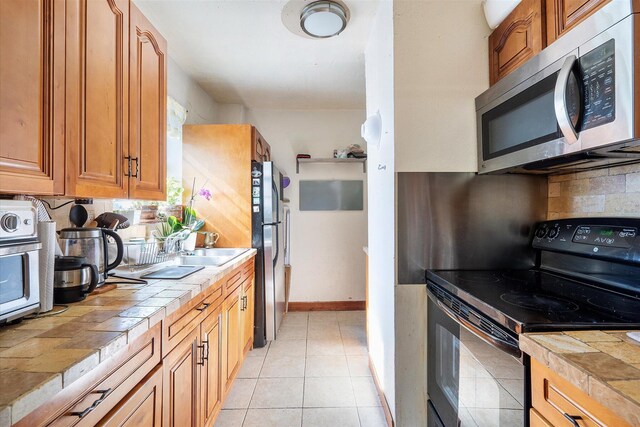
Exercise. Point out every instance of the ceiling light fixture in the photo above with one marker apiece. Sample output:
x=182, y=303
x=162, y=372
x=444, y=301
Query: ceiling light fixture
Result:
x=323, y=19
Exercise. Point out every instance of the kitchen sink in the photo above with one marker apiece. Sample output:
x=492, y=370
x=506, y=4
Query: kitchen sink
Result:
x=214, y=257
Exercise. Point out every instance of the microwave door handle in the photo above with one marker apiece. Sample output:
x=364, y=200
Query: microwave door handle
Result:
x=560, y=101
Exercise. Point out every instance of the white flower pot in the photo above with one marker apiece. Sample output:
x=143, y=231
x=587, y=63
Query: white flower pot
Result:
x=190, y=242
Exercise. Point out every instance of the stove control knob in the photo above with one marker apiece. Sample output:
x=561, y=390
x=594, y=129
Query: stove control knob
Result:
x=553, y=233
x=541, y=232
x=9, y=222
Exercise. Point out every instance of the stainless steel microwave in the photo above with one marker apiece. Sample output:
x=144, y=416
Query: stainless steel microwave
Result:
x=574, y=106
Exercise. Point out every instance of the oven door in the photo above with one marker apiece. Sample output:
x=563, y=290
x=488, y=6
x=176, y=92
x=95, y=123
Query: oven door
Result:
x=470, y=382
x=19, y=283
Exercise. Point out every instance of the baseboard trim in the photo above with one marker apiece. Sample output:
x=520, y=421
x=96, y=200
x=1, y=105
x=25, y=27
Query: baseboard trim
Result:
x=383, y=399
x=327, y=306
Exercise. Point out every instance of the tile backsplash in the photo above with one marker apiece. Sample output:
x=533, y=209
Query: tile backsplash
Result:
x=603, y=192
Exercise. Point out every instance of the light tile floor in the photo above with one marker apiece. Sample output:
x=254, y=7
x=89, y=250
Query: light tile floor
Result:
x=315, y=374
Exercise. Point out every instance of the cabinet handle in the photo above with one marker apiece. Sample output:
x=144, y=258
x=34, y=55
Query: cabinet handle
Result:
x=128, y=172
x=204, y=306
x=136, y=175
x=202, y=355
x=573, y=419
x=205, y=350
x=94, y=405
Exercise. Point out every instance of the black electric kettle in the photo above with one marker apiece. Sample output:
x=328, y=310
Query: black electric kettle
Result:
x=92, y=244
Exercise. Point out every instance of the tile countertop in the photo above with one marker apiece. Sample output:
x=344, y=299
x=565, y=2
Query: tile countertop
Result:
x=88, y=333
x=603, y=364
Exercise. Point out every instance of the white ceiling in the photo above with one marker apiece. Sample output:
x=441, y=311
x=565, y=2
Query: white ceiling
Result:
x=240, y=52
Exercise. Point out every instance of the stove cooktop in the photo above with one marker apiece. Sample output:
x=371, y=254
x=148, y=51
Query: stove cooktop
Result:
x=535, y=300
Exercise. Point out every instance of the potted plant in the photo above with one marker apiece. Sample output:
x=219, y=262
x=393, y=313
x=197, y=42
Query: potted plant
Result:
x=189, y=224
x=173, y=205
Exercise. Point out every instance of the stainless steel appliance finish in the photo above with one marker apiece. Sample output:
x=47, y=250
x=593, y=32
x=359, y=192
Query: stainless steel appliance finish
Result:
x=570, y=107
x=443, y=219
x=19, y=256
x=474, y=378
x=268, y=239
x=92, y=243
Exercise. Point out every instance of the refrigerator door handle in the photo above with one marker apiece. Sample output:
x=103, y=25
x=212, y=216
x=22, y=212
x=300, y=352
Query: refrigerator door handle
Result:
x=275, y=258
x=276, y=200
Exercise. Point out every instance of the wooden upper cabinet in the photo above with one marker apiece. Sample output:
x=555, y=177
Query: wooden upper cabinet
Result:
x=97, y=97
x=563, y=15
x=148, y=109
x=260, y=149
x=32, y=74
x=519, y=37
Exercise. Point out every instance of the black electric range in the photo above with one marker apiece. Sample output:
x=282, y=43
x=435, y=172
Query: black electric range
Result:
x=586, y=275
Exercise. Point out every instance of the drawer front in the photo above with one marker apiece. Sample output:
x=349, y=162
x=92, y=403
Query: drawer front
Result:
x=180, y=323
x=134, y=363
x=140, y=408
x=537, y=420
x=233, y=280
x=248, y=269
x=557, y=401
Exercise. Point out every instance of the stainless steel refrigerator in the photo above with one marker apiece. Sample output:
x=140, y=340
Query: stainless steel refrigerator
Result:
x=268, y=239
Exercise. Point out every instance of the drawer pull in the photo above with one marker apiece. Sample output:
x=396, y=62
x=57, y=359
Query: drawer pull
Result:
x=94, y=405
x=572, y=419
x=204, y=306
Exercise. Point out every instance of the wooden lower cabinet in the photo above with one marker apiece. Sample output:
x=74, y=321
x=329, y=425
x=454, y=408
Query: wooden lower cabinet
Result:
x=248, y=297
x=210, y=380
x=232, y=337
x=140, y=408
x=180, y=377
x=555, y=400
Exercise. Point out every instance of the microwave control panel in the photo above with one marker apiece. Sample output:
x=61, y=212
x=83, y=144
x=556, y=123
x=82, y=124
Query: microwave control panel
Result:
x=599, y=85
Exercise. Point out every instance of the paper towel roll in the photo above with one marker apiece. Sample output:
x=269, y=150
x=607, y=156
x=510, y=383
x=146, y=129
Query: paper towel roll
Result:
x=47, y=236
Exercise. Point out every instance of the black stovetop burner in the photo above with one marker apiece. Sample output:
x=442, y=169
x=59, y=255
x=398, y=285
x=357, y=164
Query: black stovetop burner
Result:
x=587, y=277
x=532, y=300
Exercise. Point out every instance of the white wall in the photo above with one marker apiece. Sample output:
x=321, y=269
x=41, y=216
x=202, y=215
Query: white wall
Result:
x=379, y=57
x=201, y=108
x=326, y=247
x=441, y=65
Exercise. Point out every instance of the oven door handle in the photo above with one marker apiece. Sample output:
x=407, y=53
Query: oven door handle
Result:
x=496, y=342
x=560, y=101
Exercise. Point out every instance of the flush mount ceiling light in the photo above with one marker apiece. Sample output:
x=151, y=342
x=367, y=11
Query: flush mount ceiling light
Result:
x=323, y=19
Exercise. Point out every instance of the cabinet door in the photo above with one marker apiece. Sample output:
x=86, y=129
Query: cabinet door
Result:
x=32, y=96
x=97, y=91
x=141, y=407
x=247, y=315
x=148, y=110
x=210, y=379
x=232, y=333
x=517, y=39
x=180, y=383
x=260, y=149
x=563, y=15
